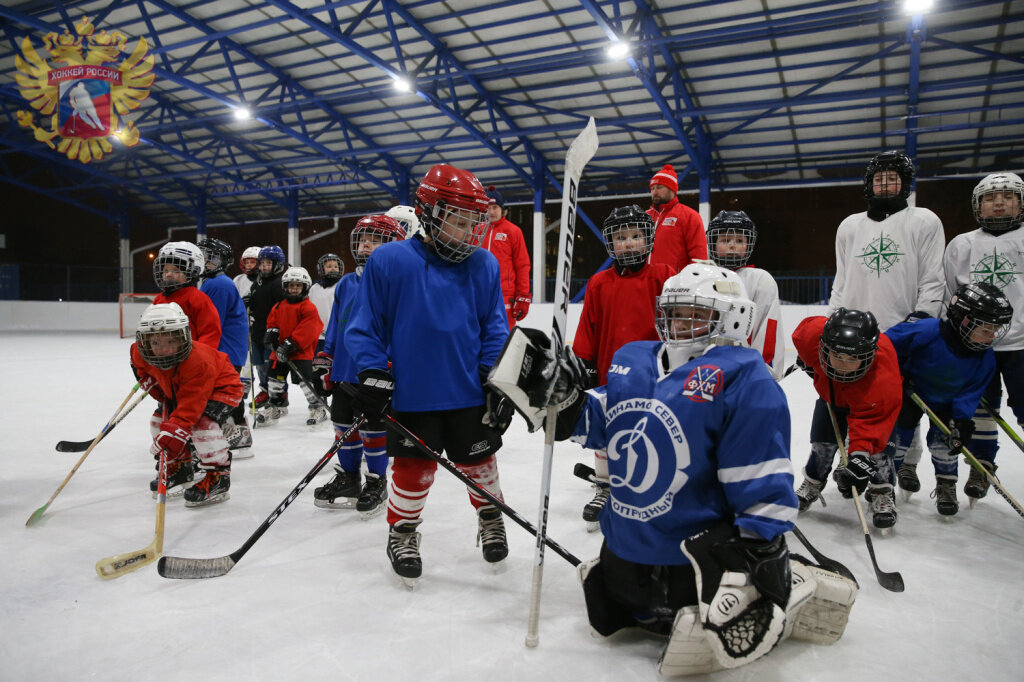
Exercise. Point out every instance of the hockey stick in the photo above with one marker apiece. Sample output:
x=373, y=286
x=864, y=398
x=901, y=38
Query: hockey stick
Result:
x=396, y=426
x=789, y=370
x=38, y=513
x=179, y=567
x=302, y=379
x=891, y=581
x=79, y=446
x=120, y=564
x=1003, y=425
x=971, y=459
x=580, y=152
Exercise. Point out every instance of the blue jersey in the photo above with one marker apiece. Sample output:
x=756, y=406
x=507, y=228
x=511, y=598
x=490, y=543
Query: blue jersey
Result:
x=343, y=368
x=943, y=373
x=705, y=443
x=234, y=321
x=442, y=322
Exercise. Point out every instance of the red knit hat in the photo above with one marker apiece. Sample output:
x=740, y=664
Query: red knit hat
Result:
x=666, y=176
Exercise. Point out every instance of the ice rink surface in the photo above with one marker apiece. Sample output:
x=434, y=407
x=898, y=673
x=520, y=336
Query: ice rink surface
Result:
x=315, y=597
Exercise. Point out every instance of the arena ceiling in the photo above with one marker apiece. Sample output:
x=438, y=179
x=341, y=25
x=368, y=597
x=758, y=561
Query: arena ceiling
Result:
x=739, y=94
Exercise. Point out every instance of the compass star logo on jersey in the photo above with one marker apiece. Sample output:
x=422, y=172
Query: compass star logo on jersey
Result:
x=996, y=269
x=703, y=383
x=880, y=254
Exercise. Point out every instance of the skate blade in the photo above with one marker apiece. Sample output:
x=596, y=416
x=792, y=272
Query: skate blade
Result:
x=242, y=453
x=593, y=526
x=339, y=503
x=499, y=567
x=971, y=501
x=373, y=513
x=905, y=494
x=177, y=492
x=409, y=583
x=947, y=519
x=886, y=532
x=216, y=499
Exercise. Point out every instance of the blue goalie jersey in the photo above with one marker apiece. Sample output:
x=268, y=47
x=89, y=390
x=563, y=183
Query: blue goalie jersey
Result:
x=706, y=442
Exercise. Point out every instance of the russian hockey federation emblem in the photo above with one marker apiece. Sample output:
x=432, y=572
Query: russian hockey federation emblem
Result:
x=87, y=94
x=703, y=383
x=880, y=254
x=996, y=269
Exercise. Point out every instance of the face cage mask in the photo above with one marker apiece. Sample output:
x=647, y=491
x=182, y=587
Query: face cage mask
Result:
x=218, y=265
x=1002, y=223
x=731, y=261
x=143, y=340
x=702, y=331
x=629, y=258
x=866, y=358
x=295, y=298
x=358, y=235
x=185, y=267
x=967, y=327
x=457, y=233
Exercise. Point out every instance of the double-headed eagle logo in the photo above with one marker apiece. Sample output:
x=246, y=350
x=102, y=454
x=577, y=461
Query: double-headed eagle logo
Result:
x=93, y=85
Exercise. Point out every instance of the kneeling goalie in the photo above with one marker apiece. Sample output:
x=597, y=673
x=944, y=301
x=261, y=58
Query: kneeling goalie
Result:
x=697, y=434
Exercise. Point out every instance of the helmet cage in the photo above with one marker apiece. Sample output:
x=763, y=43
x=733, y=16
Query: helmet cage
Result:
x=633, y=229
x=456, y=232
x=999, y=182
x=159, y=324
x=217, y=252
x=374, y=229
x=731, y=225
x=889, y=160
x=252, y=252
x=852, y=334
x=186, y=258
x=711, y=299
x=276, y=256
x=322, y=262
x=296, y=274
x=979, y=304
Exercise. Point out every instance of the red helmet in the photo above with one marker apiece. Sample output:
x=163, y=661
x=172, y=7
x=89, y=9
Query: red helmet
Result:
x=451, y=204
x=380, y=228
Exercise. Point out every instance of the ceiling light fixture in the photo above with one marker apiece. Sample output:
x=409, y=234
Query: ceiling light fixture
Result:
x=914, y=7
x=618, y=49
x=243, y=113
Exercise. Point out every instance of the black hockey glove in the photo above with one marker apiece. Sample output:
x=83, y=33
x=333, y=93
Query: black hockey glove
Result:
x=218, y=411
x=960, y=432
x=287, y=350
x=916, y=315
x=857, y=472
x=271, y=337
x=322, y=365
x=373, y=394
x=498, y=415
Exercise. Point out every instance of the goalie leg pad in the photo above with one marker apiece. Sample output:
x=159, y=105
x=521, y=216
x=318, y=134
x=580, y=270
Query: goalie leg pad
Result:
x=820, y=603
x=687, y=651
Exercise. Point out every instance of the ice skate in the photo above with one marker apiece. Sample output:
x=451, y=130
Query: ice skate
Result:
x=180, y=476
x=266, y=415
x=883, y=508
x=213, y=488
x=592, y=510
x=261, y=399
x=945, y=498
x=491, y=535
x=317, y=415
x=404, y=551
x=977, y=483
x=371, y=501
x=908, y=481
x=808, y=492
x=342, y=492
x=240, y=441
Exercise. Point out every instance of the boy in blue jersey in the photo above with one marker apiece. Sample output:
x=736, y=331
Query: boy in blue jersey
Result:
x=335, y=367
x=234, y=337
x=433, y=308
x=949, y=364
x=697, y=434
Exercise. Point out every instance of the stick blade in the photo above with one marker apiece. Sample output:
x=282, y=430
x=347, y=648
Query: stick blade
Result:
x=191, y=569
x=891, y=581
x=582, y=149
x=73, y=445
x=122, y=564
x=37, y=514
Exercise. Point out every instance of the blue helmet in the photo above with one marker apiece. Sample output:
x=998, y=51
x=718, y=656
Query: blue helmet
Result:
x=275, y=255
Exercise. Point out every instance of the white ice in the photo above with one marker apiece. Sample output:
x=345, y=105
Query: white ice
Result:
x=315, y=597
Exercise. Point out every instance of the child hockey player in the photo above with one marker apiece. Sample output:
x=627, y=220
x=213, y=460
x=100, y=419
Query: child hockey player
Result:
x=433, y=307
x=329, y=269
x=199, y=387
x=293, y=326
x=176, y=271
x=949, y=364
x=250, y=265
x=987, y=255
x=731, y=239
x=406, y=217
x=335, y=367
x=618, y=307
x=234, y=324
x=265, y=294
x=702, y=506
x=854, y=369
x=505, y=240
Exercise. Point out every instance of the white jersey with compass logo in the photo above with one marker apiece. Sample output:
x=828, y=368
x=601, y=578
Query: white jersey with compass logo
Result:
x=892, y=267
x=978, y=256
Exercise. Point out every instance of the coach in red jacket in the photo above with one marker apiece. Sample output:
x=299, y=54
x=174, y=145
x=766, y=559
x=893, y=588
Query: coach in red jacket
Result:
x=679, y=231
x=505, y=240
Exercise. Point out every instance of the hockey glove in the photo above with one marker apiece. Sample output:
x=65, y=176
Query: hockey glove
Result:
x=373, y=394
x=916, y=315
x=498, y=415
x=218, y=411
x=271, y=337
x=960, y=432
x=520, y=307
x=172, y=439
x=150, y=386
x=287, y=350
x=857, y=472
x=322, y=365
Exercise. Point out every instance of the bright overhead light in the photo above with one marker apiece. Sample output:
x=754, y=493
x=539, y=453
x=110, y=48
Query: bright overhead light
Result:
x=618, y=49
x=917, y=6
x=243, y=113
x=402, y=84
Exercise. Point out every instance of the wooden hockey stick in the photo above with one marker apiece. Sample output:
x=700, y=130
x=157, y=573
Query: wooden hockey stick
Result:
x=38, y=513
x=891, y=581
x=120, y=564
x=971, y=459
x=1003, y=425
x=580, y=152
x=320, y=401
x=78, y=446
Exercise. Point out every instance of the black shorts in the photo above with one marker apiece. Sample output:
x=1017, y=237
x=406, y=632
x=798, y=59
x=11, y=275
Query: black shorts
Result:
x=341, y=403
x=459, y=434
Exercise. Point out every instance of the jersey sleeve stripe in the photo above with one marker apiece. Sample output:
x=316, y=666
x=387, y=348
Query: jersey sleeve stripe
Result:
x=776, y=512
x=755, y=471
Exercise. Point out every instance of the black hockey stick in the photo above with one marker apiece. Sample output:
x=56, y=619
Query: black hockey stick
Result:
x=178, y=567
x=320, y=401
x=891, y=581
x=83, y=445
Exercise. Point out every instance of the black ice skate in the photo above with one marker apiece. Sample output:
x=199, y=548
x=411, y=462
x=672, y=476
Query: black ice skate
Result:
x=180, y=476
x=977, y=483
x=883, y=507
x=404, y=551
x=945, y=498
x=491, y=534
x=342, y=492
x=808, y=492
x=317, y=415
x=592, y=509
x=371, y=501
x=213, y=488
x=908, y=481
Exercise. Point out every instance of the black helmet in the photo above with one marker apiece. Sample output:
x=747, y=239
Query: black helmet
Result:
x=217, y=252
x=628, y=218
x=889, y=160
x=975, y=304
x=329, y=277
x=736, y=223
x=848, y=332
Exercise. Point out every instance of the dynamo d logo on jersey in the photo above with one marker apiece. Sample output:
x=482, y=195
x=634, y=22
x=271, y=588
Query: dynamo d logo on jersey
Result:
x=645, y=484
x=703, y=383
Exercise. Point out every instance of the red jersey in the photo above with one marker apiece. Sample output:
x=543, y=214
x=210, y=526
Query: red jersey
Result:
x=299, y=322
x=874, y=400
x=203, y=318
x=505, y=240
x=679, y=235
x=618, y=309
x=206, y=374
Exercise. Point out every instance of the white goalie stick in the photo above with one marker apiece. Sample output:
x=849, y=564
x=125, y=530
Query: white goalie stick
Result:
x=580, y=152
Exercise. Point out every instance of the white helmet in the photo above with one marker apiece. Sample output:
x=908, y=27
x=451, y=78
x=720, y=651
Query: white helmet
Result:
x=186, y=258
x=296, y=274
x=999, y=182
x=712, y=303
x=406, y=217
x=169, y=320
